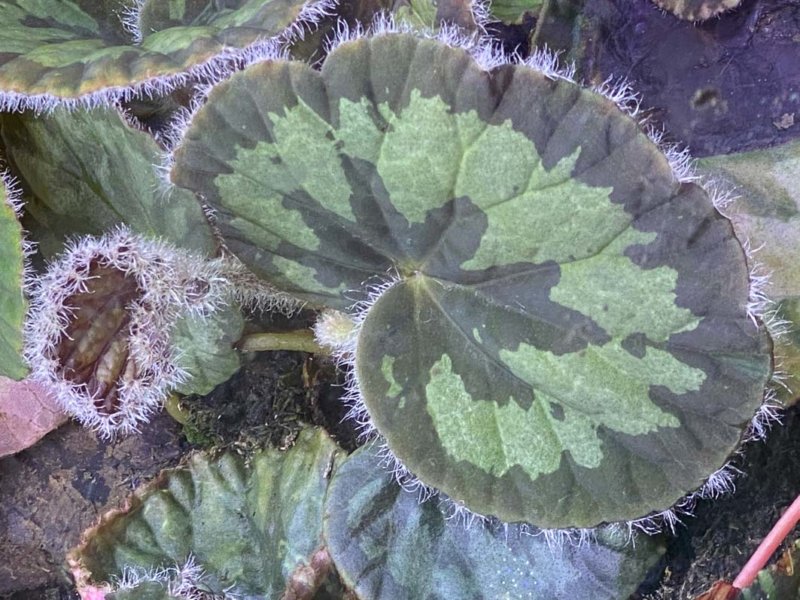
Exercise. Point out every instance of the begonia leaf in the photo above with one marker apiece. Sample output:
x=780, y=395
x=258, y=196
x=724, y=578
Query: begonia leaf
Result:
x=205, y=349
x=766, y=212
x=566, y=319
x=247, y=525
x=12, y=300
x=90, y=171
x=79, y=52
x=389, y=546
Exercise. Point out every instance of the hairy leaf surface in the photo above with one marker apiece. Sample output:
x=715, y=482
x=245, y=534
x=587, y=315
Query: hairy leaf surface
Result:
x=62, y=50
x=568, y=321
x=12, y=300
x=388, y=546
x=247, y=526
x=90, y=171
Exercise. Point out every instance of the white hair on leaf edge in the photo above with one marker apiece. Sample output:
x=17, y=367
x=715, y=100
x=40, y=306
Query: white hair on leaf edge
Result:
x=170, y=283
x=185, y=581
x=213, y=70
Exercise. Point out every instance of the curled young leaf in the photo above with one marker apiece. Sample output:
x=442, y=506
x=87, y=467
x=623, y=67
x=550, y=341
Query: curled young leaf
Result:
x=563, y=318
x=99, y=329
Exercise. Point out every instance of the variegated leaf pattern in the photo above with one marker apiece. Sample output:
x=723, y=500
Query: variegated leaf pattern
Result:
x=79, y=51
x=567, y=340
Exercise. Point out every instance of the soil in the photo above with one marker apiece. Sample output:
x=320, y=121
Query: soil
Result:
x=727, y=85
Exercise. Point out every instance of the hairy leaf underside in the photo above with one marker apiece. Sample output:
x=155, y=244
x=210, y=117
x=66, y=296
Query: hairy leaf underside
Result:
x=567, y=340
x=63, y=49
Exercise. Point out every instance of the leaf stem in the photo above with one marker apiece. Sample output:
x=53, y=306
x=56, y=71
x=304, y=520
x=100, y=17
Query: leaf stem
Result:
x=301, y=340
x=539, y=23
x=768, y=546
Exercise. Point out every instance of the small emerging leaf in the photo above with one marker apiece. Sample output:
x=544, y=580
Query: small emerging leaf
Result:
x=389, y=546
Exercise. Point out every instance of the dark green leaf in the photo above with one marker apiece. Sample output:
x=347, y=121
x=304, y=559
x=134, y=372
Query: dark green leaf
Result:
x=90, y=171
x=248, y=526
x=54, y=51
x=388, y=546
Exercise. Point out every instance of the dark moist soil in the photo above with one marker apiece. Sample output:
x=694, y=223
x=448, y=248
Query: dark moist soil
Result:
x=730, y=84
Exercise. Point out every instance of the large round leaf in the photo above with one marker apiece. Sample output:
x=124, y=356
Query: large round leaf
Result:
x=389, y=546
x=248, y=525
x=567, y=342
x=12, y=300
x=73, y=50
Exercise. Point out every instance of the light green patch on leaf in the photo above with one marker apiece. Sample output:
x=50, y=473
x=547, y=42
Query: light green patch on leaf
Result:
x=495, y=438
x=205, y=349
x=314, y=167
x=386, y=368
x=512, y=11
x=619, y=287
x=387, y=545
x=12, y=300
x=90, y=171
x=66, y=51
x=248, y=525
x=434, y=158
x=555, y=214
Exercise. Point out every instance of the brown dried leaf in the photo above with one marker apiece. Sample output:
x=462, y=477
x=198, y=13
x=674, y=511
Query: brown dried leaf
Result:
x=27, y=412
